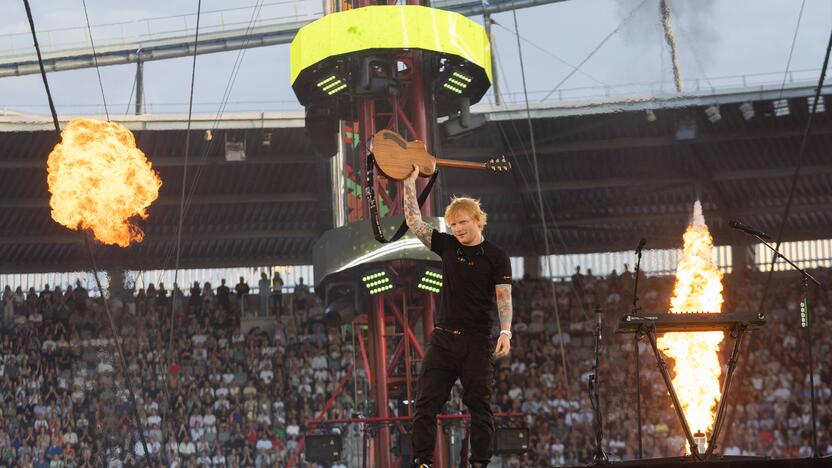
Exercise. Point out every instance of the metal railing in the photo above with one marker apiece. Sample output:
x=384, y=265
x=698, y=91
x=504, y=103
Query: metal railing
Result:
x=162, y=27
x=698, y=86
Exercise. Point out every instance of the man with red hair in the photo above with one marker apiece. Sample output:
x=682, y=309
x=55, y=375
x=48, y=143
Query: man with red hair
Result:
x=476, y=272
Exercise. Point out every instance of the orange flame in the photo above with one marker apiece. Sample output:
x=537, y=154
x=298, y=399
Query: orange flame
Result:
x=99, y=180
x=698, y=288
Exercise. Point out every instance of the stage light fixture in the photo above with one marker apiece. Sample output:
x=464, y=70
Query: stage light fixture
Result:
x=686, y=129
x=463, y=122
x=331, y=84
x=235, y=147
x=747, y=109
x=712, y=112
x=378, y=281
x=511, y=440
x=431, y=280
x=781, y=107
x=377, y=77
x=455, y=81
x=811, y=101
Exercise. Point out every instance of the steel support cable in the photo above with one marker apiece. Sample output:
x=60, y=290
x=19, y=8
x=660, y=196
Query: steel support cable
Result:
x=184, y=181
x=596, y=49
x=114, y=334
x=553, y=55
x=787, y=211
x=519, y=170
x=540, y=202
x=207, y=149
x=791, y=49
x=95, y=60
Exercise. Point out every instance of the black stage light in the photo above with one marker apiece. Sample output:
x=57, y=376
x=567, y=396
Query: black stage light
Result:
x=511, y=440
x=325, y=449
x=431, y=280
x=464, y=121
x=378, y=281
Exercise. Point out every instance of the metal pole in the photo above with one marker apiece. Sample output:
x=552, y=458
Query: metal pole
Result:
x=139, y=85
x=637, y=336
x=380, y=365
x=805, y=306
x=720, y=411
x=486, y=20
x=677, y=405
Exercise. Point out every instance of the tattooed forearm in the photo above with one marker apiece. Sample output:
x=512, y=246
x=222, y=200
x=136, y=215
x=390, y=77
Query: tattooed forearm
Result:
x=504, y=305
x=413, y=216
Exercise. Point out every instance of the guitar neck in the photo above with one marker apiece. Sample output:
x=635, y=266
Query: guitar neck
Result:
x=460, y=164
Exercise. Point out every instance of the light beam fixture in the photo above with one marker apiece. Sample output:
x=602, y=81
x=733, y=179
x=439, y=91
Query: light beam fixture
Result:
x=747, y=109
x=781, y=107
x=378, y=281
x=713, y=114
x=431, y=280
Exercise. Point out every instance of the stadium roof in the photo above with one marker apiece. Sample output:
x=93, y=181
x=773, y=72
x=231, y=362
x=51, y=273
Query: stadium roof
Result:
x=608, y=176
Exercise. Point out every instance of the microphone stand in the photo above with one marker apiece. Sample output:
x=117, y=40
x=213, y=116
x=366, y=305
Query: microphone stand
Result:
x=637, y=336
x=600, y=456
x=806, y=323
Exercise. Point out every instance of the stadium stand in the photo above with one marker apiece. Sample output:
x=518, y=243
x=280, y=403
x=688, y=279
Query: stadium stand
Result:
x=210, y=395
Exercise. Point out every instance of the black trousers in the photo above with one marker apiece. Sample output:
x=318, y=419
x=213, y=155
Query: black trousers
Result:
x=448, y=357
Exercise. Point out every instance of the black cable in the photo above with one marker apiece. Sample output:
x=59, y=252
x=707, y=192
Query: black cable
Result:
x=551, y=54
x=42, y=70
x=598, y=47
x=215, y=124
x=791, y=49
x=540, y=196
x=95, y=60
x=86, y=241
x=118, y=348
x=184, y=177
x=787, y=211
x=800, y=154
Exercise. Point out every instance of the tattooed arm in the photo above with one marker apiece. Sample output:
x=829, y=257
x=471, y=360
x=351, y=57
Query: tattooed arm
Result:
x=503, y=292
x=412, y=215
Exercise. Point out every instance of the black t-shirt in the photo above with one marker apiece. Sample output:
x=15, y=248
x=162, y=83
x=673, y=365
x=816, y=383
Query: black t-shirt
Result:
x=470, y=275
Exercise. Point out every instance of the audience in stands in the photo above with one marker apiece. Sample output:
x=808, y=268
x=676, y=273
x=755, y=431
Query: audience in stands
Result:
x=210, y=395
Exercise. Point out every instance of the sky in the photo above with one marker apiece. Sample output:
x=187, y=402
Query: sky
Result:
x=716, y=39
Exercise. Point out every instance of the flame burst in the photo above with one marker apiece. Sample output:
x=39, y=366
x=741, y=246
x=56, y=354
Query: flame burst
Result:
x=99, y=180
x=698, y=288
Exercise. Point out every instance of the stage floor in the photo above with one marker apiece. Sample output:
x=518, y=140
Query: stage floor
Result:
x=728, y=462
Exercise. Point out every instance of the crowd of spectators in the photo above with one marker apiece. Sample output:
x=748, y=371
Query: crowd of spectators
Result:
x=208, y=394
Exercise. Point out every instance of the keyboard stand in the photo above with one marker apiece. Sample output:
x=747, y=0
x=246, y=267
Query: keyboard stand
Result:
x=736, y=332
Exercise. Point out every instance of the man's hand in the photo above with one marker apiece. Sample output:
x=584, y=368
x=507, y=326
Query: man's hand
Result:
x=503, y=346
x=413, y=175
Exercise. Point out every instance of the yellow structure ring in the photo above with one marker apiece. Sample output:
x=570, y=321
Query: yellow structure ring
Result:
x=390, y=27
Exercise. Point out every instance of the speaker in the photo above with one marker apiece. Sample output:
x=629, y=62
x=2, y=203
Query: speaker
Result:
x=511, y=440
x=324, y=449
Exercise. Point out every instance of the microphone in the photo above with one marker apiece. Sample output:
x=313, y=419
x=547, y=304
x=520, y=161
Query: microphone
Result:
x=739, y=226
x=641, y=245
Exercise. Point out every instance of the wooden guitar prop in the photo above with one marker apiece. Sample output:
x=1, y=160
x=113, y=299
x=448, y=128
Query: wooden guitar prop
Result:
x=396, y=156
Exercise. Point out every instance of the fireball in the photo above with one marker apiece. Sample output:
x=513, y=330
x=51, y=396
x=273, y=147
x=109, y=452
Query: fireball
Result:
x=698, y=289
x=100, y=180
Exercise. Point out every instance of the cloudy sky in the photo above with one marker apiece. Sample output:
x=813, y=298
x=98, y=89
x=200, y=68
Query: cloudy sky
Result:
x=718, y=40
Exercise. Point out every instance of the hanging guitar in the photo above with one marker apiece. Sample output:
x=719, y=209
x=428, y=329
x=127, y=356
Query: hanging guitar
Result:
x=395, y=158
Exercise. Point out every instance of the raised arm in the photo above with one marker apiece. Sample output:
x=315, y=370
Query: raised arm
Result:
x=503, y=292
x=412, y=215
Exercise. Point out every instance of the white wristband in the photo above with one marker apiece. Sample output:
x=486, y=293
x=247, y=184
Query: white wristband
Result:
x=506, y=332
